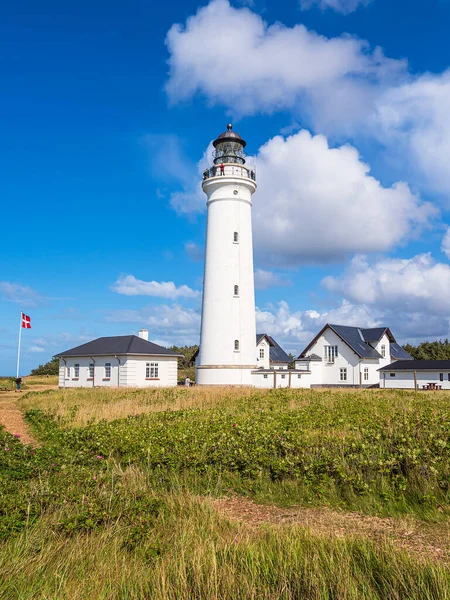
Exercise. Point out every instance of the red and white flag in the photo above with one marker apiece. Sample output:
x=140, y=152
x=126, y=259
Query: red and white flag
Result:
x=26, y=322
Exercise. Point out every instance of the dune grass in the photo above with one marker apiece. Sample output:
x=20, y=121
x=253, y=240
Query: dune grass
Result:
x=118, y=499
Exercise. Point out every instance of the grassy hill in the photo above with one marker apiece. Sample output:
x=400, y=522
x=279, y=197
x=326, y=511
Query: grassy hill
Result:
x=228, y=493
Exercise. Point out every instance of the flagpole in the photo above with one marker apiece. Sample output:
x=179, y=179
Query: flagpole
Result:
x=18, y=349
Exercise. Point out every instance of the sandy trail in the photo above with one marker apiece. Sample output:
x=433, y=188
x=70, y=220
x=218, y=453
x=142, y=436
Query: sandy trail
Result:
x=422, y=539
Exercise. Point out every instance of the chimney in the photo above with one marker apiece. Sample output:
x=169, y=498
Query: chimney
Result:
x=143, y=334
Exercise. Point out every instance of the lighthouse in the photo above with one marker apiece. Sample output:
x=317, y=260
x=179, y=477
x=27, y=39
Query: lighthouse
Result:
x=227, y=352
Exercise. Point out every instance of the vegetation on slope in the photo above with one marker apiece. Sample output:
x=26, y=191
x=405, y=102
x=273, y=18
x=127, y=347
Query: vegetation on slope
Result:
x=119, y=508
x=438, y=350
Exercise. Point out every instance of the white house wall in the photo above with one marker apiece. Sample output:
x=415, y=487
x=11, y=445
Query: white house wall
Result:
x=405, y=379
x=273, y=379
x=130, y=373
x=263, y=362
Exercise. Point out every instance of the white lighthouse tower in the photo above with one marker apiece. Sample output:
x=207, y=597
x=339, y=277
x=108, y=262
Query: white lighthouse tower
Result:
x=227, y=352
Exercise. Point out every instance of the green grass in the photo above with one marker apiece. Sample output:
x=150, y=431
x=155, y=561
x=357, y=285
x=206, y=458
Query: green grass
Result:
x=122, y=508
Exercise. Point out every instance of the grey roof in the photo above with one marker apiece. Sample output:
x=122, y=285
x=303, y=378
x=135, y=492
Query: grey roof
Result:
x=359, y=339
x=119, y=344
x=230, y=135
x=276, y=352
x=399, y=353
x=355, y=338
x=418, y=365
x=311, y=357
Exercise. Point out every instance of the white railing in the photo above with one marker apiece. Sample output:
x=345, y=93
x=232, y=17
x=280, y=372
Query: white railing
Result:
x=229, y=170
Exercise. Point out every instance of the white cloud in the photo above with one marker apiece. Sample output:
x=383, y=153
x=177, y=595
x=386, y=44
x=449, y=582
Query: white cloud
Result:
x=414, y=285
x=22, y=294
x=413, y=121
x=130, y=286
x=280, y=65
x=266, y=279
x=341, y=6
x=36, y=349
x=315, y=203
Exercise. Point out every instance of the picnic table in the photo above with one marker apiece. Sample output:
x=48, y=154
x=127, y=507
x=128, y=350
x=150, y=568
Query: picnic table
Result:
x=432, y=386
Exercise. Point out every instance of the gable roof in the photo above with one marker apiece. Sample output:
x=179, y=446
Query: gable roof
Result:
x=399, y=353
x=418, y=365
x=119, y=344
x=353, y=337
x=276, y=352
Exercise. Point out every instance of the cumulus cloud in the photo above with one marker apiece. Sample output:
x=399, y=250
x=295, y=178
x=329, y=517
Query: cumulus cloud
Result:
x=22, y=294
x=36, y=349
x=267, y=279
x=317, y=204
x=407, y=285
x=267, y=80
x=413, y=121
x=342, y=6
x=130, y=286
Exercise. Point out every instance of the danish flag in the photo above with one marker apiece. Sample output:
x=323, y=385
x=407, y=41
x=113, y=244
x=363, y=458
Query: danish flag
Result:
x=26, y=322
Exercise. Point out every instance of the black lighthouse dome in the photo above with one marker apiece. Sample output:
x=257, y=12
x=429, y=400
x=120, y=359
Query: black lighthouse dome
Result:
x=229, y=147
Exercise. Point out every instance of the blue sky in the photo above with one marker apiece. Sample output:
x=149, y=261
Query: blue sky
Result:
x=108, y=112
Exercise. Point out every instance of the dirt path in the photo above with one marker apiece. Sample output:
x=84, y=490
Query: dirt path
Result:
x=426, y=540
x=11, y=416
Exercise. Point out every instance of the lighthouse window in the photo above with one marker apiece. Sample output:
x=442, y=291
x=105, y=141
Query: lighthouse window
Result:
x=236, y=237
x=236, y=290
x=236, y=345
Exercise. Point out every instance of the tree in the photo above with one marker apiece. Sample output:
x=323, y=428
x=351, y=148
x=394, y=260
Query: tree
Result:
x=50, y=368
x=437, y=350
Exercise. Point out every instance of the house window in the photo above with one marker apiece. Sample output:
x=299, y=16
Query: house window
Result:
x=68, y=372
x=343, y=374
x=383, y=351
x=283, y=377
x=265, y=376
x=391, y=374
x=366, y=374
x=448, y=374
x=91, y=371
x=107, y=370
x=299, y=376
x=236, y=345
x=151, y=370
x=331, y=353
x=236, y=237
x=236, y=290
x=441, y=376
x=261, y=353
x=76, y=371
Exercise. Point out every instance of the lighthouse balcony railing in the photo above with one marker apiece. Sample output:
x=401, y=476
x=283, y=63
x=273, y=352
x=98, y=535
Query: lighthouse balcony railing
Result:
x=229, y=170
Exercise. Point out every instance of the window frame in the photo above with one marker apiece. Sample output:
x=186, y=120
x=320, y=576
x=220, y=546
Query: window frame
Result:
x=366, y=373
x=383, y=350
x=236, y=346
x=236, y=237
x=343, y=374
x=236, y=291
x=330, y=353
x=91, y=370
x=152, y=370
x=107, y=370
x=76, y=371
x=261, y=353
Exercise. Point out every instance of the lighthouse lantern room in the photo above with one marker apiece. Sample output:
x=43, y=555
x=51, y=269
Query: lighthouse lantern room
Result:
x=227, y=352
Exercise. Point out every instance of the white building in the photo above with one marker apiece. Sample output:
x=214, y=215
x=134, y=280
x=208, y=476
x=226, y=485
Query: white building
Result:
x=269, y=354
x=416, y=374
x=340, y=355
x=120, y=361
x=228, y=328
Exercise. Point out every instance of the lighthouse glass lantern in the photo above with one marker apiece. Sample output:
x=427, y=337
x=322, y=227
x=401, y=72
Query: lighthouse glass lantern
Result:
x=229, y=148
